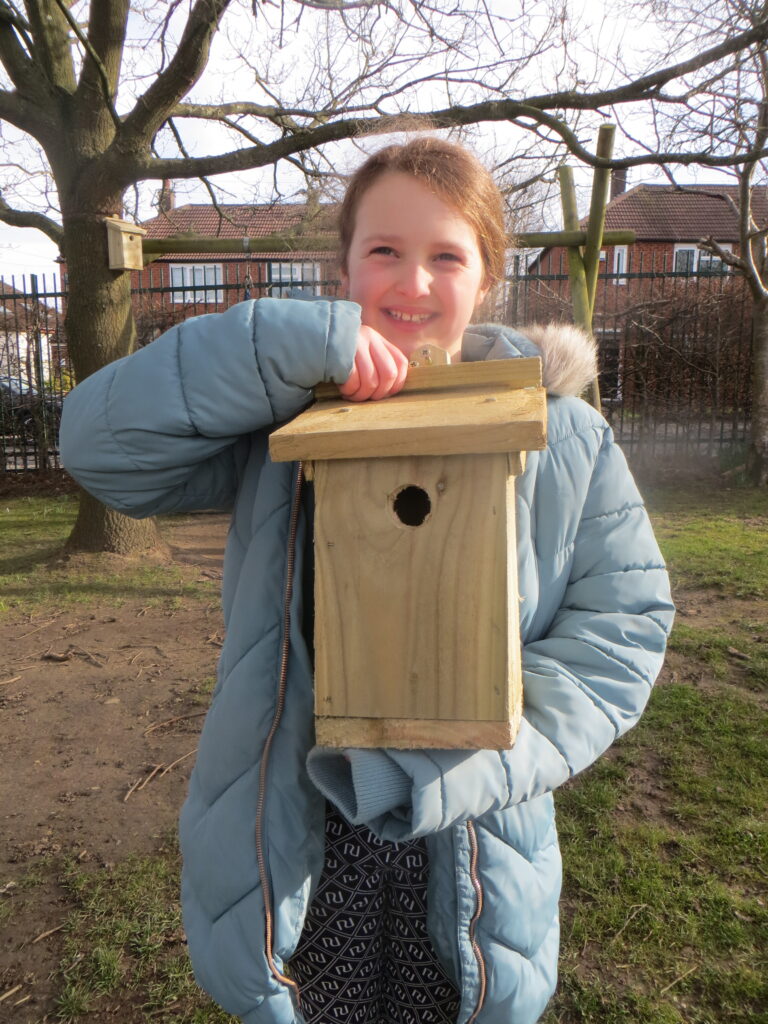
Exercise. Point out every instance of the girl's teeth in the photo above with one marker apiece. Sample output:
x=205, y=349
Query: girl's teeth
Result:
x=410, y=317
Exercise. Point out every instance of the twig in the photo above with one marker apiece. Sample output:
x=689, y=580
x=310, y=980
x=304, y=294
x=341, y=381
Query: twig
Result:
x=88, y=656
x=680, y=978
x=13, y=679
x=177, y=761
x=36, y=629
x=170, y=721
x=9, y=993
x=52, y=656
x=132, y=789
x=152, y=774
x=155, y=647
x=24, y=999
x=635, y=911
x=44, y=935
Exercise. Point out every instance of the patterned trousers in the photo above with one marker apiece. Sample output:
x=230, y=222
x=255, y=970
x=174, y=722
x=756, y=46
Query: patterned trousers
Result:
x=364, y=956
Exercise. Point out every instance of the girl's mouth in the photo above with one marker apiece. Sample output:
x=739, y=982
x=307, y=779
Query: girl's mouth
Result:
x=417, y=319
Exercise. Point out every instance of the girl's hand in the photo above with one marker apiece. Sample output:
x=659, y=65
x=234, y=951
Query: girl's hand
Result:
x=379, y=371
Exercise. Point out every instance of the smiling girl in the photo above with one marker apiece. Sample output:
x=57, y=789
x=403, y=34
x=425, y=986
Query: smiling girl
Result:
x=379, y=886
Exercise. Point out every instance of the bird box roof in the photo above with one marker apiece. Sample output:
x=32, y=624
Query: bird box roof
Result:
x=458, y=409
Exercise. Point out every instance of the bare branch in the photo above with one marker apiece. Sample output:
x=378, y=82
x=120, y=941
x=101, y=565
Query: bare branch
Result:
x=107, y=28
x=172, y=84
x=29, y=219
x=16, y=61
x=338, y=5
x=51, y=50
x=94, y=58
x=208, y=186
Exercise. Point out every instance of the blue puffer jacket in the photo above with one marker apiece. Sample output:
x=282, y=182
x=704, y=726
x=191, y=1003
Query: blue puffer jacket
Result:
x=183, y=424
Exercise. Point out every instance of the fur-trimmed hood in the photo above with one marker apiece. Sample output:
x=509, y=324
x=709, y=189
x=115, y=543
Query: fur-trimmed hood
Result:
x=568, y=354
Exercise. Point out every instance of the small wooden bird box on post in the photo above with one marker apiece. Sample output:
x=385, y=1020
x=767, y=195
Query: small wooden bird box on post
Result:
x=416, y=603
x=124, y=244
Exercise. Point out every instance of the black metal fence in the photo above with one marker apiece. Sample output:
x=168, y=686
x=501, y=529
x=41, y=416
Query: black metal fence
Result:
x=34, y=372
x=675, y=352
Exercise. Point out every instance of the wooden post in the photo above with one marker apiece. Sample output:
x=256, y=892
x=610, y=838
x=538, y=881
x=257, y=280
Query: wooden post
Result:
x=601, y=183
x=582, y=315
x=583, y=267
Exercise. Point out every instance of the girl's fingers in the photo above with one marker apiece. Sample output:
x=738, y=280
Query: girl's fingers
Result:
x=386, y=371
x=352, y=383
x=379, y=370
x=401, y=362
x=369, y=377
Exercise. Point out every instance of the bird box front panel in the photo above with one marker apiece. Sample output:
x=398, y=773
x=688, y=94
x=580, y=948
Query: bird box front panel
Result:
x=416, y=591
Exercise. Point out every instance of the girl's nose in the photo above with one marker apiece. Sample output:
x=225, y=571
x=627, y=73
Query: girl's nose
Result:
x=414, y=279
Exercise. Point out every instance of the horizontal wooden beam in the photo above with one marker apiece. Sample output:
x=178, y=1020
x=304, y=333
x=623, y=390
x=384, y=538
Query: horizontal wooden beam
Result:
x=187, y=243
x=550, y=239
x=264, y=243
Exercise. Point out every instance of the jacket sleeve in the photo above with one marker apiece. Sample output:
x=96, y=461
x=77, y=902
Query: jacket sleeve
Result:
x=157, y=430
x=585, y=682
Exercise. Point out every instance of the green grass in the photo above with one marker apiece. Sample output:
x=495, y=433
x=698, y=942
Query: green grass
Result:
x=32, y=534
x=124, y=939
x=729, y=652
x=714, y=539
x=665, y=840
x=669, y=892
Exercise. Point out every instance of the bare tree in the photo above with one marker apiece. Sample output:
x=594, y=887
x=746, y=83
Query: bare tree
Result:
x=725, y=113
x=106, y=94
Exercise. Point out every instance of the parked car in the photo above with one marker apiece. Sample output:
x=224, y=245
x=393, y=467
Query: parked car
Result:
x=22, y=407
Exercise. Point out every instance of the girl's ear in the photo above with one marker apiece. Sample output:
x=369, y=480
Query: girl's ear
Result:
x=482, y=292
x=344, y=283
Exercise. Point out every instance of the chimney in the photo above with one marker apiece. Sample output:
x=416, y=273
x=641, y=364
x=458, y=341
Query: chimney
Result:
x=166, y=200
x=618, y=182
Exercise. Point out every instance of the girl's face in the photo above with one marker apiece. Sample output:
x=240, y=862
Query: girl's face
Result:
x=414, y=265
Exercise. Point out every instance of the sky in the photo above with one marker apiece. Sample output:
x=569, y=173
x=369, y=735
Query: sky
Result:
x=27, y=251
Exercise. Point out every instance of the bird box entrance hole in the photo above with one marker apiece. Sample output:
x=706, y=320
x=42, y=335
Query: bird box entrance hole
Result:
x=411, y=505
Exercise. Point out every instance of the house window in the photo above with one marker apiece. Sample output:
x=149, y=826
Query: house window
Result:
x=197, y=282
x=284, y=276
x=620, y=264
x=689, y=259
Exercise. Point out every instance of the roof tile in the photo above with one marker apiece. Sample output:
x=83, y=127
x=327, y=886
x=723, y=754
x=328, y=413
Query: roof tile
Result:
x=666, y=213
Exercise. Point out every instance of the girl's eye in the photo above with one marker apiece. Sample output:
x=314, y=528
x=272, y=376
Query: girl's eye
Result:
x=450, y=256
x=383, y=250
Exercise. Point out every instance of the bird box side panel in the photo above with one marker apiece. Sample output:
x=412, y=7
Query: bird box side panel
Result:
x=413, y=600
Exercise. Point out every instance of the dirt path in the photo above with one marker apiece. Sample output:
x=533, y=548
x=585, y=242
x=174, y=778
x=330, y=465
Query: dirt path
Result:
x=89, y=770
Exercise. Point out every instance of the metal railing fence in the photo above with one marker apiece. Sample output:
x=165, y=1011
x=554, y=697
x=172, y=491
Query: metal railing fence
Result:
x=675, y=351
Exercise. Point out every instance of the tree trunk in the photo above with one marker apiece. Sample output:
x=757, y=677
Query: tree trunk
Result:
x=757, y=455
x=100, y=328
x=99, y=528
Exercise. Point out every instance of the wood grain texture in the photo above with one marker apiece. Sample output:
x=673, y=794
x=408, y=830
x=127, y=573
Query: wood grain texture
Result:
x=509, y=373
x=421, y=423
x=411, y=734
x=416, y=622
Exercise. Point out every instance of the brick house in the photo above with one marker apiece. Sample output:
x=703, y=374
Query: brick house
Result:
x=663, y=306
x=668, y=224
x=218, y=280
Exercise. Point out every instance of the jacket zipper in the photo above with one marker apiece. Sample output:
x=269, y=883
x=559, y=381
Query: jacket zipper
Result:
x=477, y=886
x=266, y=885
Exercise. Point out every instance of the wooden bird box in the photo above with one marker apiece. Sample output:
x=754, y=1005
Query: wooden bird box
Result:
x=416, y=603
x=124, y=244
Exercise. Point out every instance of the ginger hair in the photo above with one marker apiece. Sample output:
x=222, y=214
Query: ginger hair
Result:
x=452, y=173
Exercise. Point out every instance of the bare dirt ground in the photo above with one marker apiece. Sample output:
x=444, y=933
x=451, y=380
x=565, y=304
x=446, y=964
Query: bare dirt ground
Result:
x=100, y=712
